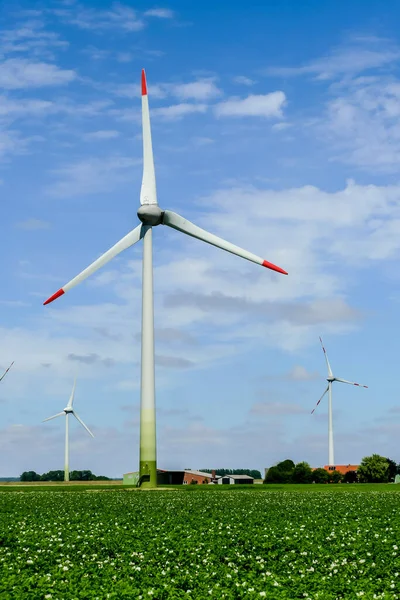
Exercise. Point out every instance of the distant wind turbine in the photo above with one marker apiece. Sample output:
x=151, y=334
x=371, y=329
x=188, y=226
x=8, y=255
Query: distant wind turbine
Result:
x=151, y=215
x=330, y=379
x=6, y=371
x=68, y=410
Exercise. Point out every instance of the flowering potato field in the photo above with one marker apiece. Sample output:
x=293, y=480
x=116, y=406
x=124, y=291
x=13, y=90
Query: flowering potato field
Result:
x=173, y=544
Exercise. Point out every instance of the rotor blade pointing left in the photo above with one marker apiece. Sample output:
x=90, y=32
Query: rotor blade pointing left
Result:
x=127, y=241
x=6, y=371
x=351, y=383
x=148, y=192
x=82, y=423
x=177, y=222
x=327, y=390
x=54, y=416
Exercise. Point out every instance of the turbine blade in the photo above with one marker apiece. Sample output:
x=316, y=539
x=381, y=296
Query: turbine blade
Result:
x=148, y=192
x=127, y=241
x=6, y=371
x=71, y=398
x=326, y=358
x=82, y=423
x=177, y=222
x=327, y=389
x=351, y=382
x=60, y=414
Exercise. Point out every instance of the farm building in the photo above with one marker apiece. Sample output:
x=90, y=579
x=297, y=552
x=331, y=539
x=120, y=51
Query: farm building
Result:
x=235, y=479
x=166, y=477
x=343, y=469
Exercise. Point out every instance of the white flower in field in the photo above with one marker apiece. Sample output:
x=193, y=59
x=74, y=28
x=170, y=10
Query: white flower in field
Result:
x=29, y=562
x=47, y=596
x=395, y=548
x=263, y=594
x=65, y=568
x=362, y=560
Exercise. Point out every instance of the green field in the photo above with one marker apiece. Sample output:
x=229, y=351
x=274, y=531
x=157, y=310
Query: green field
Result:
x=269, y=542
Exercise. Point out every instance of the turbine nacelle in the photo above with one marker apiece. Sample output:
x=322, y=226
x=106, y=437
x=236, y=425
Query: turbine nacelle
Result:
x=150, y=214
x=68, y=410
x=331, y=379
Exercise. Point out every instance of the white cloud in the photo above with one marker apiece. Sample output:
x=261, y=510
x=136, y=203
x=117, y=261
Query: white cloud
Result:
x=19, y=73
x=102, y=134
x=177, y=111
x=161, y=13
x=241, y=80
x=362, y=122
x=203, y=89
x=276, y=408
x=346, y=60
x=299, y=373
x=33, y=224
x=91, y=176
x=268, y=105
x=119, y=16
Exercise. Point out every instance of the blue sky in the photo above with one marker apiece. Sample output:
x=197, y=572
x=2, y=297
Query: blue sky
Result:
x=276, y=126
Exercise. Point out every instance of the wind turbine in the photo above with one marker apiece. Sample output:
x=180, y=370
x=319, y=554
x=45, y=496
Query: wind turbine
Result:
x=68, y=410
x=6, y=371
x=151, y=215
x=330, y=379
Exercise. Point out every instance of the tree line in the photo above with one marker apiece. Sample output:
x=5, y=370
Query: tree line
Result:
x=59, y=476
x=250, y=472
x=373, y=469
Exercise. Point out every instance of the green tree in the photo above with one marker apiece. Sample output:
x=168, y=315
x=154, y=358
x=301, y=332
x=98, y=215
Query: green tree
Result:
x=335, y=476
x=280, y=473
x=320, y=476
x=393, y=469
x=374, y=469
x=30, y=476
x=350, y=477
x=302, y=473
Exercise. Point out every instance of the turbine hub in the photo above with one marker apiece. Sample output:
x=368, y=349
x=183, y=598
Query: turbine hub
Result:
x=68, y=410
x=330, y=379
x=150, y=214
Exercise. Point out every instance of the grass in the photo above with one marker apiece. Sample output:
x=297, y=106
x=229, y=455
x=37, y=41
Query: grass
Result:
x=72, y=486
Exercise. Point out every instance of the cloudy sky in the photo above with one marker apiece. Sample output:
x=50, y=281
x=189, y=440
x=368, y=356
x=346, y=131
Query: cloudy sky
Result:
x=276, y=126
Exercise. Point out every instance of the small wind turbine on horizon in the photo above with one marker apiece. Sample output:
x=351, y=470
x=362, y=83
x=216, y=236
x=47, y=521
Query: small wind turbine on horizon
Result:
x=151, y=215
x=6, y=371
x=68, y=410
x=330, y=379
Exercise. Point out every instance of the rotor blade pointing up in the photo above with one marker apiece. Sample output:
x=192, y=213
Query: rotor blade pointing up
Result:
x=54, y=416
x=82, y=423
x=71, y=398
x=127, y=241
x=327, y=390
x=326, y=358
x=177, y=222
x=148, y=192
x=351, y=382
x=6, y=371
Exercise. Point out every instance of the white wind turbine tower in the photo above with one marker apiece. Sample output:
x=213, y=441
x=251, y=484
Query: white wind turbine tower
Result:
x=68, y=410
x=151, y=215
x=330, y=379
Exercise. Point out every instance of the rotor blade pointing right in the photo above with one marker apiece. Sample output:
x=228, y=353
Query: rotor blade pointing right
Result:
x=326, y=358
x=327, y=390
x=6, y=371
x=177, y=222
x=54, y=416
x=82, y=423
x=351, y=382
x=127, y=241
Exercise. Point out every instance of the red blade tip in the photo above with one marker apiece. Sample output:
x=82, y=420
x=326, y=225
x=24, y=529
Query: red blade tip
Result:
x=269, y=265
x=144, y=83
x=54, y=297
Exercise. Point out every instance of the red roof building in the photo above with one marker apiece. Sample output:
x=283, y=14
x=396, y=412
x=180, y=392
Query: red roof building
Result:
x=343, y=469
